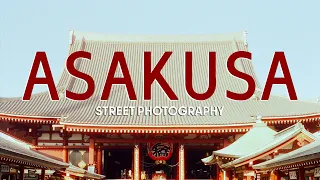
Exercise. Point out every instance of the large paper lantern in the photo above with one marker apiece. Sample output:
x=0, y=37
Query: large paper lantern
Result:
x=160, y=151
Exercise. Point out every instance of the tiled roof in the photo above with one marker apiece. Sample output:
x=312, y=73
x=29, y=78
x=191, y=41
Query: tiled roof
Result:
x=259, y=136
x=14, y=149
x=270, y=143
x=102, y=48
x=83, y=173
x=209, y=160
x=306, y=153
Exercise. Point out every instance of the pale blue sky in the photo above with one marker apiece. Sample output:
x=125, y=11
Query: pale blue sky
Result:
x=30, y=26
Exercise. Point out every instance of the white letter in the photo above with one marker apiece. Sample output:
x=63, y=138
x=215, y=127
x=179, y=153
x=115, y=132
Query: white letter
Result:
x=140, y=110
x=220, y=108
x=112, y=111
x=98, y=111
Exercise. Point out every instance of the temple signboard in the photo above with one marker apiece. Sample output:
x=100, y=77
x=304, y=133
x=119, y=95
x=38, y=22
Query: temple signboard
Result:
x=5, y=168
x=293, y=175
x=160, y=151
x=317, y=172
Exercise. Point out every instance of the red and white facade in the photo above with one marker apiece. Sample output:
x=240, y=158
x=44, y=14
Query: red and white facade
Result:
x=72, y=131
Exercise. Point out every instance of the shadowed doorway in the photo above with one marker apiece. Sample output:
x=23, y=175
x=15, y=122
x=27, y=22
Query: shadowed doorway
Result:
x=117, y=162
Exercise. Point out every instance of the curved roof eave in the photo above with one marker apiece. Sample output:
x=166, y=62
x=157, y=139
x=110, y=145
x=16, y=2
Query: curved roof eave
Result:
x=28, y=116
x=299, y=155
x=286, y=135
x=158, y=126
x=29, y=119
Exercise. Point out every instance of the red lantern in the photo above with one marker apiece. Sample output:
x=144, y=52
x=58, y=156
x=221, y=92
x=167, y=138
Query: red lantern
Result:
x=160, y=176
x=160, y=151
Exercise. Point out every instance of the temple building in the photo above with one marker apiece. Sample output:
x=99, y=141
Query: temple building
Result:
x=18, y=160
x=150, y=146
x=301, y=163
x=256, y=153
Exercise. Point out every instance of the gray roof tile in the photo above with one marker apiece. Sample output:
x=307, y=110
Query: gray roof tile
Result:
x=270, y=143
x=306, y=153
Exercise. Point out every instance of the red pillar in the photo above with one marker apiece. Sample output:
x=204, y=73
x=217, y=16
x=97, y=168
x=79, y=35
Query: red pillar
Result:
x=65, y=155
x=43, y=173
x=91, y=165
x=228, y=175
x=301, y=173
x=65, y=152
x=91, y=151
x=278, y=175
x=99, y=160
x=217, y=172
x=274, y=175
x=21, y=175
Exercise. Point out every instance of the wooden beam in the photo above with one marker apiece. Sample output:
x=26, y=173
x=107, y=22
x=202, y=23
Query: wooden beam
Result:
x=61, y=147
x=60, y=141
x=119, y=147
x=161, y=130
x=130, y=141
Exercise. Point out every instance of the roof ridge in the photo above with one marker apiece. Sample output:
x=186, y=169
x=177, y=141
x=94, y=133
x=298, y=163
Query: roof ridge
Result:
x=160, y=37
x=298, y=125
